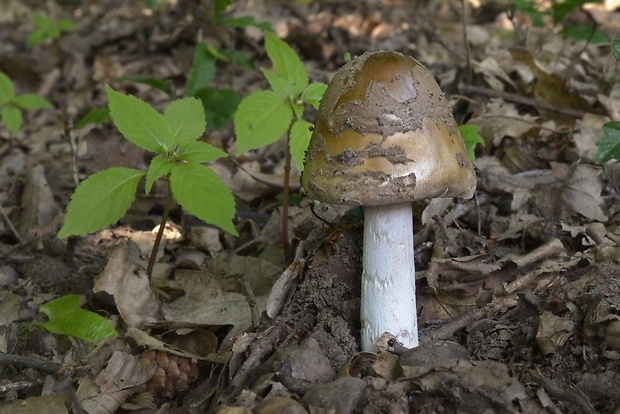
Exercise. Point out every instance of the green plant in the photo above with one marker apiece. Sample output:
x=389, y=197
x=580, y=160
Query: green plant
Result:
x=471, y=137
x=44, y=29
x=104, y=197
x=609, y=144
x=265, y=116
x=11, y=104
x=219, y=103
x=67, y=318
x=557, y=10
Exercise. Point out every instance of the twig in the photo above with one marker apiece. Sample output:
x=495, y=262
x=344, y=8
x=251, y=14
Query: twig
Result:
x=562, y=394
x=465, y=41
x=513, y=97
x=280, y=289
x=264, y=179
x=251, y=299
x=30, y=362
x=258, y=351
x=11, y=227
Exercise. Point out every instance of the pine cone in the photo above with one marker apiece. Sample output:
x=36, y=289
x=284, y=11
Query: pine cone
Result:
x=174, y=373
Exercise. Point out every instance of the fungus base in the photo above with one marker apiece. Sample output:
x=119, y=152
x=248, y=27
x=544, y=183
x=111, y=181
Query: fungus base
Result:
x=388, y=280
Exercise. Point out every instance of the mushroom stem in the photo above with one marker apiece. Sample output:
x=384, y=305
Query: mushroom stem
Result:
x=388, y=280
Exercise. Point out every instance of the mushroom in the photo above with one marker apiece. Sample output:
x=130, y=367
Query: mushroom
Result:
x=385, y=136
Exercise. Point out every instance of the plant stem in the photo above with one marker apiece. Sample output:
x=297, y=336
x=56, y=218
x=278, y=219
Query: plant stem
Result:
x=286, y=245
x=160, y=233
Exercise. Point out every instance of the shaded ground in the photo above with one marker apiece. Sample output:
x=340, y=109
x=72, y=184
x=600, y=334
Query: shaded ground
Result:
x=518, y=288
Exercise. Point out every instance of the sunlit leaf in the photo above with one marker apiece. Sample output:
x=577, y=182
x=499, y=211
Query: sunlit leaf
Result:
x=199, y=152
x=300, y=139
x=286, y=63
x=609, y=144
x=160, y=166
x=139, y=122
x=313, y=94
x=471, y=137
x=101, y=200
x=67, y=318
x=12, y=118
x=7, y=91
x=202, y=193
x=187, y=117
x=261, y=119
x=32, y=101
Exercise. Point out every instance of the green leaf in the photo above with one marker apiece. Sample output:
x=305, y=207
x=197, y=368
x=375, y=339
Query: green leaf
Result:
x=609, y=144
x=245, y=21
x=187, y=117
x=12, y=118
x=101, y=200
x=41, y=21
x=67, y=25
x=67, y=318
x=300, y=139
x=219, y=106
x=313, y=94
x=580, y=31
x=615, y=49
x=202, y=72
x=279, y=85
x=7, y=91
x=162, y=85
x=216, y=53
x=36, y=37
x=471, y=137
x=199, y=152
x=159, y=167
x=239, y=59
x=43, y=30
x=261, y=119
x=139, y=122
x=219, y=6
x=286, y=63
x=32, y=101
x=94, y=116
x=202, y=193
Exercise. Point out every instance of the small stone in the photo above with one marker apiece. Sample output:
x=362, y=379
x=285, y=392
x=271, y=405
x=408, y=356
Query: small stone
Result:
x=612, y=335
x=340, y=396
x=432, y=353
x=303, y=366
x=8, y=276
x=280, y=405
x=233, y=410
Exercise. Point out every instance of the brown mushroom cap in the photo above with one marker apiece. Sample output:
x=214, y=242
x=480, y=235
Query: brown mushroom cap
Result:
x=384, y=134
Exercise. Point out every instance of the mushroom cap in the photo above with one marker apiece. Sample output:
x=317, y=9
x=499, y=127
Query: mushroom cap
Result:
x=385, y=134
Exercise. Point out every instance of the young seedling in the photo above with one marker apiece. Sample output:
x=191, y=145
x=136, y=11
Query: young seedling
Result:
x=609, y=144
x=11, y=105
x=265, y=116
x=104, y=197
x=385, y=136
x=470, y=134
x=556, y=11
x=66, y=317
x=48, y=29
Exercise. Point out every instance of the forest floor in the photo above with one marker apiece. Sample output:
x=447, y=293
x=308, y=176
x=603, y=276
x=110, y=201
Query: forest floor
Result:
x=518, y=288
